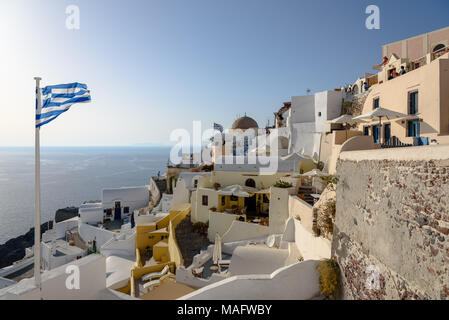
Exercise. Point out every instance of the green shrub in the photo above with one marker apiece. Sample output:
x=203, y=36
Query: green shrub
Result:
x=282, y=184
x=329, y=277
x=330, y=181
x=298, y=217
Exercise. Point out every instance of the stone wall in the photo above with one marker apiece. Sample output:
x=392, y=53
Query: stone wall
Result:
x=391, y=234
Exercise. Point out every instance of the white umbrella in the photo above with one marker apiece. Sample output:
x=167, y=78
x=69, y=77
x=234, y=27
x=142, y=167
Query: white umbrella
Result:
x=345, y=119
x=216, y=256
x=315, y=173
x=237, y=190
x=380, y=113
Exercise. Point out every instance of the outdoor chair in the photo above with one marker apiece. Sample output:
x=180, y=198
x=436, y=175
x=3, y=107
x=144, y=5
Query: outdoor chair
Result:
x=154, y=283
x=153, y=275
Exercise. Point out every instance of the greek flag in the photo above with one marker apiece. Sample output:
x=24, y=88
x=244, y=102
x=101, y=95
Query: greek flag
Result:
x=58, y=99
x=218, y=127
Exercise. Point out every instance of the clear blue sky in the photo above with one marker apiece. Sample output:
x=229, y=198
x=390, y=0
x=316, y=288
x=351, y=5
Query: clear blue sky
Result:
x=154, y=66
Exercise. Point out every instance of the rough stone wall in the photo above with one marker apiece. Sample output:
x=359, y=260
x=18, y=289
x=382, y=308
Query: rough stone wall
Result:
x=392, y=220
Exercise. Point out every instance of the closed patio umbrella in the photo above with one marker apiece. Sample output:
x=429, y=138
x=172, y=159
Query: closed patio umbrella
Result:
x=380, y=113
x=216, y=255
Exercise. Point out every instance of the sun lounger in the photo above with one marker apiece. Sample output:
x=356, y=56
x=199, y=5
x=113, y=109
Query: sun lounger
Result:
x=153, y=275
x=154, y=283
x=224, y=262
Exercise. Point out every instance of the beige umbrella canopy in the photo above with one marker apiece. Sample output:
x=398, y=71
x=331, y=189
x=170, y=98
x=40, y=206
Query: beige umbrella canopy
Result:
x=346, y=120
x=238, y=191
x=380, y=113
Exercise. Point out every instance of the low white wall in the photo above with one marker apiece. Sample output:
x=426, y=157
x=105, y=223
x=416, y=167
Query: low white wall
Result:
x=220, y=223
x=185, y=276
x=6, y=271
x=229, y=247
x=298, y=207
x=91, y=215
x=92, y=276
x=50, y=262
x=244, y=230
x=59, y=229
x=299, y=281
x=121, y=245
x=311, y=247
x=90, y=233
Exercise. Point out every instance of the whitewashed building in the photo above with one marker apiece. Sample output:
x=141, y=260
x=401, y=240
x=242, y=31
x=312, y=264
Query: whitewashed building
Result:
x=121, y=202
x=304, y=120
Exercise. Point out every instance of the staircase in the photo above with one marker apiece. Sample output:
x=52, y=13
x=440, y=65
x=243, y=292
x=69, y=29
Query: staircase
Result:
x=306, y=192
x=190, y=243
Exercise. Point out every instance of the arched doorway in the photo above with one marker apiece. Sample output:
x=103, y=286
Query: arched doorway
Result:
x=250, y=203
x=250, y=183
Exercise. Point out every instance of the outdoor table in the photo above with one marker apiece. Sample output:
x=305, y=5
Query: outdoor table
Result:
x=315, y=197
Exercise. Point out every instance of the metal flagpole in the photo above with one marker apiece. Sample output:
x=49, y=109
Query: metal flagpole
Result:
x=37, y=201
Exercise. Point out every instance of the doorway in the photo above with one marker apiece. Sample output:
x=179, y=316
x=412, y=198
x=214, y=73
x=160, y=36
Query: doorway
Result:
x=250, y=203
x=118, y=211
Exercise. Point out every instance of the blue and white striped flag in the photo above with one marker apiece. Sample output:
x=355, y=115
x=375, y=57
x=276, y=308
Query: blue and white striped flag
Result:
x=58, y=99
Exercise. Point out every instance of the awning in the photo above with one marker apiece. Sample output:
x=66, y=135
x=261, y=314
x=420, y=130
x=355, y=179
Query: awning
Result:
x=237, y=191
x=411, y=117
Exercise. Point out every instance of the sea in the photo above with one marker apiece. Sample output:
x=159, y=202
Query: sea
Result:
x=69, y=176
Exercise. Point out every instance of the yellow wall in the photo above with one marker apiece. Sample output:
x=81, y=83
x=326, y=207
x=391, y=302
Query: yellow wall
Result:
x=160, y=251
x=144, y=237
x=138, y=272
x=165, y=254
x=240, y=203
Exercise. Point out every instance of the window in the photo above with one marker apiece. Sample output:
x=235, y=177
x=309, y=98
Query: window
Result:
x=376, y=134
x=387, y=131
x=126, y=210
x=223, y=201
x=205, y=201
x=413, y=102
x=413, y=128
x=195, y=183
x=366, y=131
x=234, y=198
x=376, y=103
x=439, y=47
x=319, y=114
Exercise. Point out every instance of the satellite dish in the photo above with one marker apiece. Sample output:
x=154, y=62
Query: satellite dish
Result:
x=271, y=240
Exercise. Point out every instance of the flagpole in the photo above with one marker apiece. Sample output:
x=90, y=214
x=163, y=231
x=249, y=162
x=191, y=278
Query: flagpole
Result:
x=37, y=199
